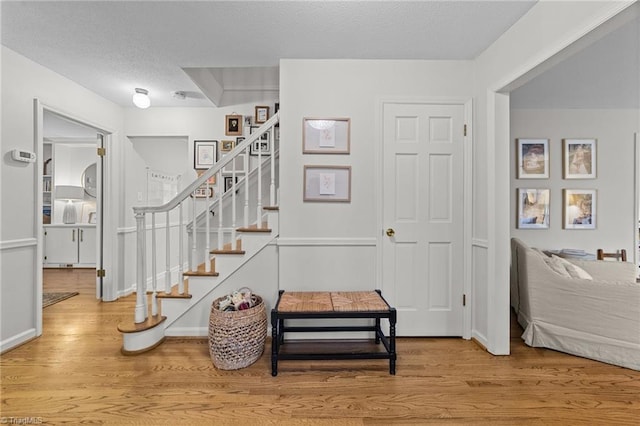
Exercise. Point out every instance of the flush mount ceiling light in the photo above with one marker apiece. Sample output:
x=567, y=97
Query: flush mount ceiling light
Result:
x=141, y=98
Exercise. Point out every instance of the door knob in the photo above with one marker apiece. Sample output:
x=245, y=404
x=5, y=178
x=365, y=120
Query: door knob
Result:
x=390, y=232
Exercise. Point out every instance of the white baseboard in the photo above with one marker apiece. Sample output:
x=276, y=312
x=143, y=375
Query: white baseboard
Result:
x=17, y=340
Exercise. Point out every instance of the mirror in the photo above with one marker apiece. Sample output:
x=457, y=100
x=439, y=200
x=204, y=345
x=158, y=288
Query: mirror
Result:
x=90, y=180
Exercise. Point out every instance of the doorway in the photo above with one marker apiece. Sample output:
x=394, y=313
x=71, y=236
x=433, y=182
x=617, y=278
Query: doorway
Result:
x=424, y=183
x=71, y=205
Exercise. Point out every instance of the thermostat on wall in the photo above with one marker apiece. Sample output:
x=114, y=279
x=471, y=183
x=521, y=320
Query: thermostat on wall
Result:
x=22, y=155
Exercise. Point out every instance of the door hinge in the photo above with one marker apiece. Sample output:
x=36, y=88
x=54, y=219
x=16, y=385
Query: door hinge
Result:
x=464, y=300
x=465, y=130
x=102, y=151
x=100, y=273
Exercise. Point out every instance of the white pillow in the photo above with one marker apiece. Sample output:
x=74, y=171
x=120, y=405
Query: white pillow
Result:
x=574, y=271
x=556, y=266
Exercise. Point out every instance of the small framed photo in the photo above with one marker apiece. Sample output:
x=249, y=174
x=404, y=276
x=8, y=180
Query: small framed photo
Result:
x=579, y=158
x=238, y=163
x=533, y=208
x=226, y=146
x=247, y=120
x=262, y=114
x=326, y=135
x=228, y=182
x=533, y=158
x=201, y=192
x=327, y=183
x=233, y=125
x=580, y=208
x=205, y=154
x=261, y=147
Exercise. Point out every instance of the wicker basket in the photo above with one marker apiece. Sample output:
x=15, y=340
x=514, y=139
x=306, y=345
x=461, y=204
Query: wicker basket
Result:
x=237, y=338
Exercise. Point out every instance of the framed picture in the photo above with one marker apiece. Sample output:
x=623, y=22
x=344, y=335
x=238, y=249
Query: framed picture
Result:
x=239, y=165
x=533, y=208
x=261, y=146
x=233, y=125
x=201, y=192
x=247, y=120
x=228, y=182
x=226, y=146
x=533, y=158
x=580, y=208
x=205, y=154
x=326, y=135
x=262, y=114
x=579, y=158
x=327, y=183
x=212, y=179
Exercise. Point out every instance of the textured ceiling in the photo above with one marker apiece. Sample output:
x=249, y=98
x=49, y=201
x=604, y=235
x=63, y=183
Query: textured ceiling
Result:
x=113, y=47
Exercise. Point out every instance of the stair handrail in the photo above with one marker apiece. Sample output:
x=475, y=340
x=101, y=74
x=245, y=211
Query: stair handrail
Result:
x=219, y=165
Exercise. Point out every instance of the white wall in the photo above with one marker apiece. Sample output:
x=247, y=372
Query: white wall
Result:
x=616, y=217
x=22, y=81
x=333, y=246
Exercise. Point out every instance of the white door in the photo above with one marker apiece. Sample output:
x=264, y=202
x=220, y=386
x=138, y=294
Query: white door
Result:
x=423, y=217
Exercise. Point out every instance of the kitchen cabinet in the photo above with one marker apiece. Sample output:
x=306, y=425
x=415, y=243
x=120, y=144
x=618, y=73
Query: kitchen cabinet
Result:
x=69, y=246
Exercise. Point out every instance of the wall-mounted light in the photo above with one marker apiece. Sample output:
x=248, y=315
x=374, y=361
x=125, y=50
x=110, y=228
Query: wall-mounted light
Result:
x=141, y=98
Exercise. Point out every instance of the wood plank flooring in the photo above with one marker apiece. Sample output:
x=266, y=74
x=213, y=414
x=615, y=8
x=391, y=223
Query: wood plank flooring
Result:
x=75, y=374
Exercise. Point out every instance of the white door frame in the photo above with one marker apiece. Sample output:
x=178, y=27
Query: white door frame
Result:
x=108, y=244
x=465, y=256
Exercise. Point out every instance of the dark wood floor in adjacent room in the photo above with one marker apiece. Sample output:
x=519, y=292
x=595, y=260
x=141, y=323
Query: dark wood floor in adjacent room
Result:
x=75, y=374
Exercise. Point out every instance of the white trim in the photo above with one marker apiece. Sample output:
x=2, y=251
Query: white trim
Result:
x=15, y=244
x=478, y=242
x=132, y=229
x=467, y=220
x=327, y=242
x=636, y=203
x=17, y=340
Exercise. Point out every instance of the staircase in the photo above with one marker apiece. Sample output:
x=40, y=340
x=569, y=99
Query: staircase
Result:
x=225, y=231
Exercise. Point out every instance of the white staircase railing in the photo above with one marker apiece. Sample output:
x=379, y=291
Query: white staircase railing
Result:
x=202, y=201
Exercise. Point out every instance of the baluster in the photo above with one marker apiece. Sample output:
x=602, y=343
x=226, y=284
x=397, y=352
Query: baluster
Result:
x=154, y=278
x=181, y=252
x=246, y=187
x=272, y=185
x=233, y=205
x=167, y=273
x=220, y=228
x=259, y=205
x=194, y=234
x=207, y=248
x=141, y=297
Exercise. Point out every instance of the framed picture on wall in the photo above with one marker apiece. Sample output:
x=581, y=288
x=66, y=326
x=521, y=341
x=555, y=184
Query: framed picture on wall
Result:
x=226, y=146
x=327, y=183
x=205, y=154
x=579, y=208
x=533, y=208
x=579, y=158
x=233, y=125
x=262, y=114
x=326, y=135
x=532, y=158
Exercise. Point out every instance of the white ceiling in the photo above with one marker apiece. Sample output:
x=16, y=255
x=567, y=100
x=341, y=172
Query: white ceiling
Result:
x=112, y=47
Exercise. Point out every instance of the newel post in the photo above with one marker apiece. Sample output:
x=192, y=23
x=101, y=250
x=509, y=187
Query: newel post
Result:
x=141, y=264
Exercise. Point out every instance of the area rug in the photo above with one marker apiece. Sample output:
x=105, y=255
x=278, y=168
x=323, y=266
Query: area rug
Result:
x=49, y=299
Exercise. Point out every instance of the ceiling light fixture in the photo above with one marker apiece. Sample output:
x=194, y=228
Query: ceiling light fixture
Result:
x=141, y=98
x=180, y=95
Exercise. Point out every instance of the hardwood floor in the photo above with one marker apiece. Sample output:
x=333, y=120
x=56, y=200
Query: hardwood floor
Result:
x=75, y=374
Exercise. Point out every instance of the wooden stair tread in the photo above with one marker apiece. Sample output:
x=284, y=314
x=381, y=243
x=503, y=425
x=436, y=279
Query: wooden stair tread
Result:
x=228, y=249
x=174, y=292
x=273, y=208
x=254, y=228
x=200, y=272
x=132, y=327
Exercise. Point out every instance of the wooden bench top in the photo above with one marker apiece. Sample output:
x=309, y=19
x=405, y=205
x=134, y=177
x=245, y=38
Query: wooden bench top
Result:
x=324, y=301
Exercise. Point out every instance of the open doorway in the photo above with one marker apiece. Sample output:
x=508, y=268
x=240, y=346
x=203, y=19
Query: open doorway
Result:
x=71, y=158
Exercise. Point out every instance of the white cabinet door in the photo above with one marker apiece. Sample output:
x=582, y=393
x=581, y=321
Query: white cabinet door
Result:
x=61, y=245
x=87, y=246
